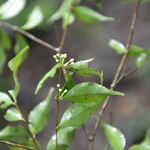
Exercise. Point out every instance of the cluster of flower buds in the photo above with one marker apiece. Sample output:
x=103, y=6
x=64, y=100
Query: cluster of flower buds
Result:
x=63, y=92
x=60, y=57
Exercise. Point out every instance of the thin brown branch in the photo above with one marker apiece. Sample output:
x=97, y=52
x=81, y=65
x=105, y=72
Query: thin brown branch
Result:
x=16, y=145
x=119, y=69
x=30, y=36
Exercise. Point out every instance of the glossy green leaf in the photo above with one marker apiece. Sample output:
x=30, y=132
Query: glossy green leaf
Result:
x=65, y=7
x=40, y=114
x=5, y=42
x=5, y=100
x=88, y=15
x=78, y=114
x=13, y=114
x=68, y=19
x=35, y=18
x=65, y=137
x=89, y=92
x=140, y=61
x=145, y=145
x=16, y=134
x=11, y=8
x=82, y=68
x=20, y=43
x=115, y=138
x=14, y=65
x=49, y=74
x=117, y=46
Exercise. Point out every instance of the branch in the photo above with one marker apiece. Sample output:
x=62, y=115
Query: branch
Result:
x=30, y=36
x=119, y=70
x=16, y=145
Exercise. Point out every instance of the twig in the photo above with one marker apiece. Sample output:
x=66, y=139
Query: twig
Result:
x=30, y=36
x=120, y=67
x=16, y=145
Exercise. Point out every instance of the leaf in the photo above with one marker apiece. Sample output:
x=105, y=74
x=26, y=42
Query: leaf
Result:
x=78, y=114
x=65, y=7
x=2, y=59
x=13, y=114
x=34, y=19
x=5, y=100
x=90, y=16
x=5, y=41
x=115, y=138
x=82, y=68
x=145, y=145
x=49, y=74
x=20, y=43
x=136, y=50
x=65, y=137
x=89, y=92
x=11, y=8
x=68, y=19
x=140, y=61
x=39, y=116
x=14, y=65
x=16, y=134
x=117, y=46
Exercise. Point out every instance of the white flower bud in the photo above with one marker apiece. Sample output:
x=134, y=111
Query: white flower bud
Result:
x=58, y=85
x=72, y=63
x=65, y=55
x=58, y=55
x=71, y=60
x=65, y=91
x=61, y=56
x=54, y=56
x=57, y=60
x=60, y=90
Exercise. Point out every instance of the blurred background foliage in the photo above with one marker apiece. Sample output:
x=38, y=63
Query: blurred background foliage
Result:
x=83, y=41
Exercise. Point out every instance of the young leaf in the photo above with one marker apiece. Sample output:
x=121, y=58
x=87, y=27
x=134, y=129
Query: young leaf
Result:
x=89, y=92
x=14, y=65
x=136, y=50
x=117, y=46
x=88, y=15
x=140, y=61
x=82, y=68
x=145, y=145
x=65, y=136
x=14, y=134
x=13, y=114
x=20, y=43
x=65, y=7
x=115, y=138
x=5, y=100
x=11, y=8
x=49, y=74
x=35, y=18
x=78, y=114
x=68, y=19
x=39, y=116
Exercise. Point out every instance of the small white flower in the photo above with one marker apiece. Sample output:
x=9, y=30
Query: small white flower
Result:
x=65, y=55
x=60, y=90
x=58, y=85
x=71, y=60
x=65, y=65
x=54, y=56
x=58, y=55
x=65, y=91
x=57, y=60
x=62, y=56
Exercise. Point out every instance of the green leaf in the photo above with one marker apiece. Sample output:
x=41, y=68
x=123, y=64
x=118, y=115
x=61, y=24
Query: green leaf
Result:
x=39, y=116
x=5, y=41
x=20, y=43
x=34, y=19
x=115, y=138
x=11, y=8
x=89, y=92
x=90, y=16
x=78, y=114
x=5, y=100
x=65, y=7
x=68, y=19
x=117, y=46
x=140, y=61
x=14, y=134
x=2, y=59
x=49, y=74
x=136, y=50
x=13, y=114
x=65, y=137
x=145, y=145
x=14, y=65
x=82, y=68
